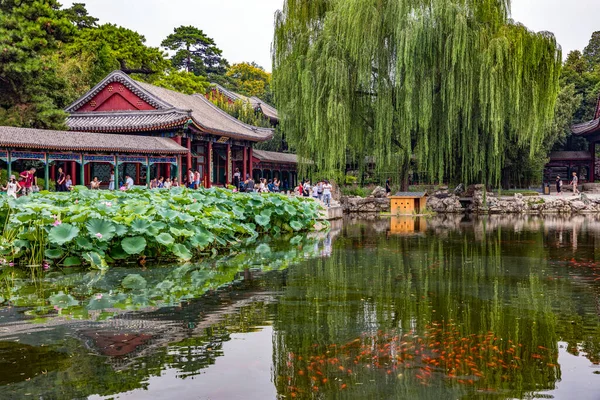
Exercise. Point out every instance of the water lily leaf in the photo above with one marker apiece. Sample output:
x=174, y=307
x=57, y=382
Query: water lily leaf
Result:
x=263, y=248
x=262, y=220
x=100, y=302
x=96, y=260
x=181, y=232
x=165, y=285
x=72, y=261
x=297, y=226
x=165, y=239
x=120, y=230
x=101, y=229
x=62, y=300
x=54, y=253
x=201, y=240
x=62, y=234
x=182, y=252
x=133, y=245
x=134, y=282
x=296, y=239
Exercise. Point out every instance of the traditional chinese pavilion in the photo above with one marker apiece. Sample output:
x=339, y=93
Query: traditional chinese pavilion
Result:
x=564, y=163
x=146, y=131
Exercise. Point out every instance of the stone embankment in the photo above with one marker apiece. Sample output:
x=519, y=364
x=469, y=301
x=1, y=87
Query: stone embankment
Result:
x=377, y=202
x=483, y=202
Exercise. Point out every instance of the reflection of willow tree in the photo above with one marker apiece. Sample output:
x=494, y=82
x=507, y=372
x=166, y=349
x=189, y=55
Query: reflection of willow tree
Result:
x=396, y=285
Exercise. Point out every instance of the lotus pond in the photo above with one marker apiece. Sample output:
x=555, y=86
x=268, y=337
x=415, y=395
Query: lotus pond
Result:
x=443, y=308
x=103, y=228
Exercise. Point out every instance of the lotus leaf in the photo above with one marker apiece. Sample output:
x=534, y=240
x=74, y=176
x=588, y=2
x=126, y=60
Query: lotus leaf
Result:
x=262, y=220
x=120, y=230
x=100, y=302
x=84, y=243
x=101, y=229
x=181, y=232
x=297, y=226
x=263, y=248
x=165, y=239
x=133, y=245
x=62, y=234
x=182, y=252
x=140, y=226
x=290, y=209
x=72, y=261
x=134, y=282
x=62, y=300
x=53, y=253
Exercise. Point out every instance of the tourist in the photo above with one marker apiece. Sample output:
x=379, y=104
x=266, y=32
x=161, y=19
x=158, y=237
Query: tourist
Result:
x=190, y=178
x=559, y=184
x=111, y=181
x=175, y=182
x=261, y=186
x=388, y=187
x=236, y=179
x=95, y=184
x=60, y=181
x=161, y=183
x=271, y=186
x=196, y=179
x=574, y=182
x=327, y=193
x=28, y=178
x=153, y=183
x=315, y=192
x=167, y=185
x=319, y=190
x=249, y=183
x=306, y=189
x=12, y=187
x=128, y=182
x=276, y=185
x=300, y=189
x=68, y=183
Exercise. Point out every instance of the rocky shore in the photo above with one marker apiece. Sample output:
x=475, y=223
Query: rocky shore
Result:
x=483, y=202
x=377, y=202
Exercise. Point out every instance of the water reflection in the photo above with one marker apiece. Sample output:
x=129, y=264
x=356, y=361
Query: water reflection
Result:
x=498, y=307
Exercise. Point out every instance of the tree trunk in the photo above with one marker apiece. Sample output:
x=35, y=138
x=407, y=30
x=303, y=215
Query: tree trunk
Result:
x=403, y=175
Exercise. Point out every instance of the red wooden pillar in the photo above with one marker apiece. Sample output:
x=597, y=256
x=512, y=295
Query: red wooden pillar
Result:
x=592, y=176
x=137, y=174
x=177, y=140
x=189, y=154
x=245, y=165
x=167, y=171
x=73, y=172
x=53, y=172
x=228, y=165
x=86, y=178
x=250, y=161
x=209, y=167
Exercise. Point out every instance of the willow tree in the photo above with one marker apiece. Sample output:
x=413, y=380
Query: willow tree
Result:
x=446, y=83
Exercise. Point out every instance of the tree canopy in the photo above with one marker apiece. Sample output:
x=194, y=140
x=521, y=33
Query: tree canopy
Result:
x=451, y=83
x=195, y=51
x=250, y=79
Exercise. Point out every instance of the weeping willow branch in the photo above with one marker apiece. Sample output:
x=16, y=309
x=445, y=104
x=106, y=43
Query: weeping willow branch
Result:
x=451, y=83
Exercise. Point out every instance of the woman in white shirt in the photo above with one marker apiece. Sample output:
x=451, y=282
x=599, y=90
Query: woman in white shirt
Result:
x=12, y=187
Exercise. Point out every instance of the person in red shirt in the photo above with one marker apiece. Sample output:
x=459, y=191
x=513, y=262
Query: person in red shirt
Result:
x=28, y=178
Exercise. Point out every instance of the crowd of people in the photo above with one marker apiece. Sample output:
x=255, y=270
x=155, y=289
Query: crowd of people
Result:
x=321, y=190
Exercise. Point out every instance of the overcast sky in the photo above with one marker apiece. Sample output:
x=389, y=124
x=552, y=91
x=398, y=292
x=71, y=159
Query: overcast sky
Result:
x=243, y=29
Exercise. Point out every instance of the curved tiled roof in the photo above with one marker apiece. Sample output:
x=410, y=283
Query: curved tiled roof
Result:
x=272, y=156
x=255, y=102
x=586, y=127
x=205, y=115
x=570, y=155
x=43, y=139
x=127, y=121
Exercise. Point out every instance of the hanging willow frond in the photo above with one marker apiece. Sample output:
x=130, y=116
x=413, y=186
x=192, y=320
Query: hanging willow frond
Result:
x=448, y=82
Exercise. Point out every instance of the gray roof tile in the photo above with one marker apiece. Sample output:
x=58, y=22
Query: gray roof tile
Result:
x=26, y=138
x=126, y=121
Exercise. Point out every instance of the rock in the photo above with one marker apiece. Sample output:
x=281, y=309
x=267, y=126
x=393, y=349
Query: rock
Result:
x=577, y=205
x=379, y=193
x=459, y=190
x=367, y=205
x=472, y=189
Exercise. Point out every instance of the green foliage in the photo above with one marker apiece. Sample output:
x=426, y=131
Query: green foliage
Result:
x=591, y=53
x=250, y=80
x=452, y=83
x=78, y=15
x=30, y=88
x=240, y=109
x=104, y=228
x=182, y=81
x=195, y=52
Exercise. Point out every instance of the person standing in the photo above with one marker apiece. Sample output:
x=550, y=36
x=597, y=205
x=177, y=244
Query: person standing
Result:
x=190, y=178
x=12, y=187
x=68, y=183
x=28, y=180
x=574, y=183
x=111, y=182
x=388, y=187
x=559, y=184
x=327, y=193
x=236, y=179
x=196, y=179
x=60, y=181
x=128, y=182
x=306, y=189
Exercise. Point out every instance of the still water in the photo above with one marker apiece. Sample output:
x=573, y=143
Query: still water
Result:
x=443, y=308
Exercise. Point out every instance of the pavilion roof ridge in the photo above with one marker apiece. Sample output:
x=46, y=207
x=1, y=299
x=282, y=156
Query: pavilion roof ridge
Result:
x=128, y=82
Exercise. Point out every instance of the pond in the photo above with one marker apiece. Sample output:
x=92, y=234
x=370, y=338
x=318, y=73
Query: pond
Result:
x=437, y=308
